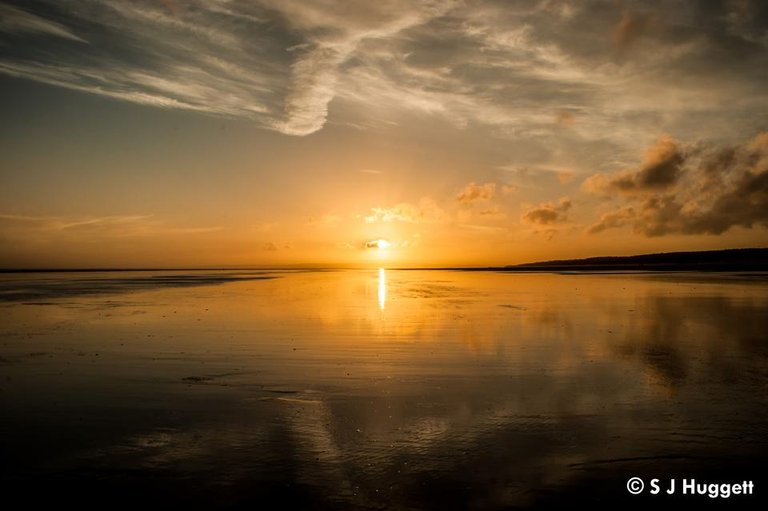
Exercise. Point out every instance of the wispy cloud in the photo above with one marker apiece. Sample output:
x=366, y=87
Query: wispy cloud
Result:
x=115, y=226
x=145, y=53
x=538, y=70
x=426, y=211
x=537, y=176
x=18, y=21
x=629, y=29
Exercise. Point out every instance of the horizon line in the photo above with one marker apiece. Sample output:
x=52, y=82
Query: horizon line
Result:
x=323, y=266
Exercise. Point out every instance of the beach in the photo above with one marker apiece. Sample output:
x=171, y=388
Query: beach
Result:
x=372, y=389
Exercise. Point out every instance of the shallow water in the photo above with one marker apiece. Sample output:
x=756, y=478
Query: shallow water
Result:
x=380, y=389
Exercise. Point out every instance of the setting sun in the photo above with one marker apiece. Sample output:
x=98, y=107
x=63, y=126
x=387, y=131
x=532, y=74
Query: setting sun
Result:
x=379, y=244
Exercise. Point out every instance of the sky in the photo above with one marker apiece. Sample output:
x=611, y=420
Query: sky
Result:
x=234, y=133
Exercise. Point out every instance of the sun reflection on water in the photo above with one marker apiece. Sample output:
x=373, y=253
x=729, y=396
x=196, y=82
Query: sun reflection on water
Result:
x=382, y=288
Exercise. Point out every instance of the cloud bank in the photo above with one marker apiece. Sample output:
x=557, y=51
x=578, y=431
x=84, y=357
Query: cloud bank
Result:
x=700, y=189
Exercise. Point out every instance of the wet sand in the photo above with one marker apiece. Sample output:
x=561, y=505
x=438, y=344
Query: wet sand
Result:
x=380, y=389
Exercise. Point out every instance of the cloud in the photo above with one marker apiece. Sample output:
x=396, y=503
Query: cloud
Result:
x=17, y=21
x=426, y=211
x=482, y=214
x=474, y=192
x=629, y=29
x=193, y=58
x=314, y=77
x=509, y=189
x=745, y=20
x=565, y=118
x=661, y=168
x=377, y=244
x=613, y=219
x=90, y=227
x=85, y=223
x=717, y=188
x=538, y=176
x=326, y=220
x=332, y=34
x=283, y=64
x=476, y=203
x=548, y=213
x=565, y=176
x=494, y=211
x=269, y=247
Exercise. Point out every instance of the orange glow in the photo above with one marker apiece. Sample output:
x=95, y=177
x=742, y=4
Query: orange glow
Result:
x=286, y=158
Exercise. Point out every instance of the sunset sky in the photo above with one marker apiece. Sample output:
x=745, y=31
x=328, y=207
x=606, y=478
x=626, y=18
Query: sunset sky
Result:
x=284, y=132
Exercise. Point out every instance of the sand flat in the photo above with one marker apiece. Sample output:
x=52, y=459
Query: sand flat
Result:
x=378, y=389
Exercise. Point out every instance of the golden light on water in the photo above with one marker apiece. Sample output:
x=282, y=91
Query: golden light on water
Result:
x=382, y=288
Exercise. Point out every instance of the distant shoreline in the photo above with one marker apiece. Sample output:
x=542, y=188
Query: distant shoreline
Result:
x=728, y=260
x=740, y=259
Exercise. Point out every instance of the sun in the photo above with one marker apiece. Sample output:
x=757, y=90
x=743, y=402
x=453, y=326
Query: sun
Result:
x=380, y=244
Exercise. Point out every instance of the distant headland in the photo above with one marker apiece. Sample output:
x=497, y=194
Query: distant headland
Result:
x=738, y=259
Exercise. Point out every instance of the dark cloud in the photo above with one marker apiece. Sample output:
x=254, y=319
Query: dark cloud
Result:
x=720, y=188
x=661, y=169
x=548, y=213
x=720, y=160
x=744, y=204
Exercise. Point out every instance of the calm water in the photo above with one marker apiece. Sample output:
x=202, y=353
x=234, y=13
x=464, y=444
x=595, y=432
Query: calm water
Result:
x=379, y=389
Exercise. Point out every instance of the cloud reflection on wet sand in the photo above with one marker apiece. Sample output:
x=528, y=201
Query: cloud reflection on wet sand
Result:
x=479, y=390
